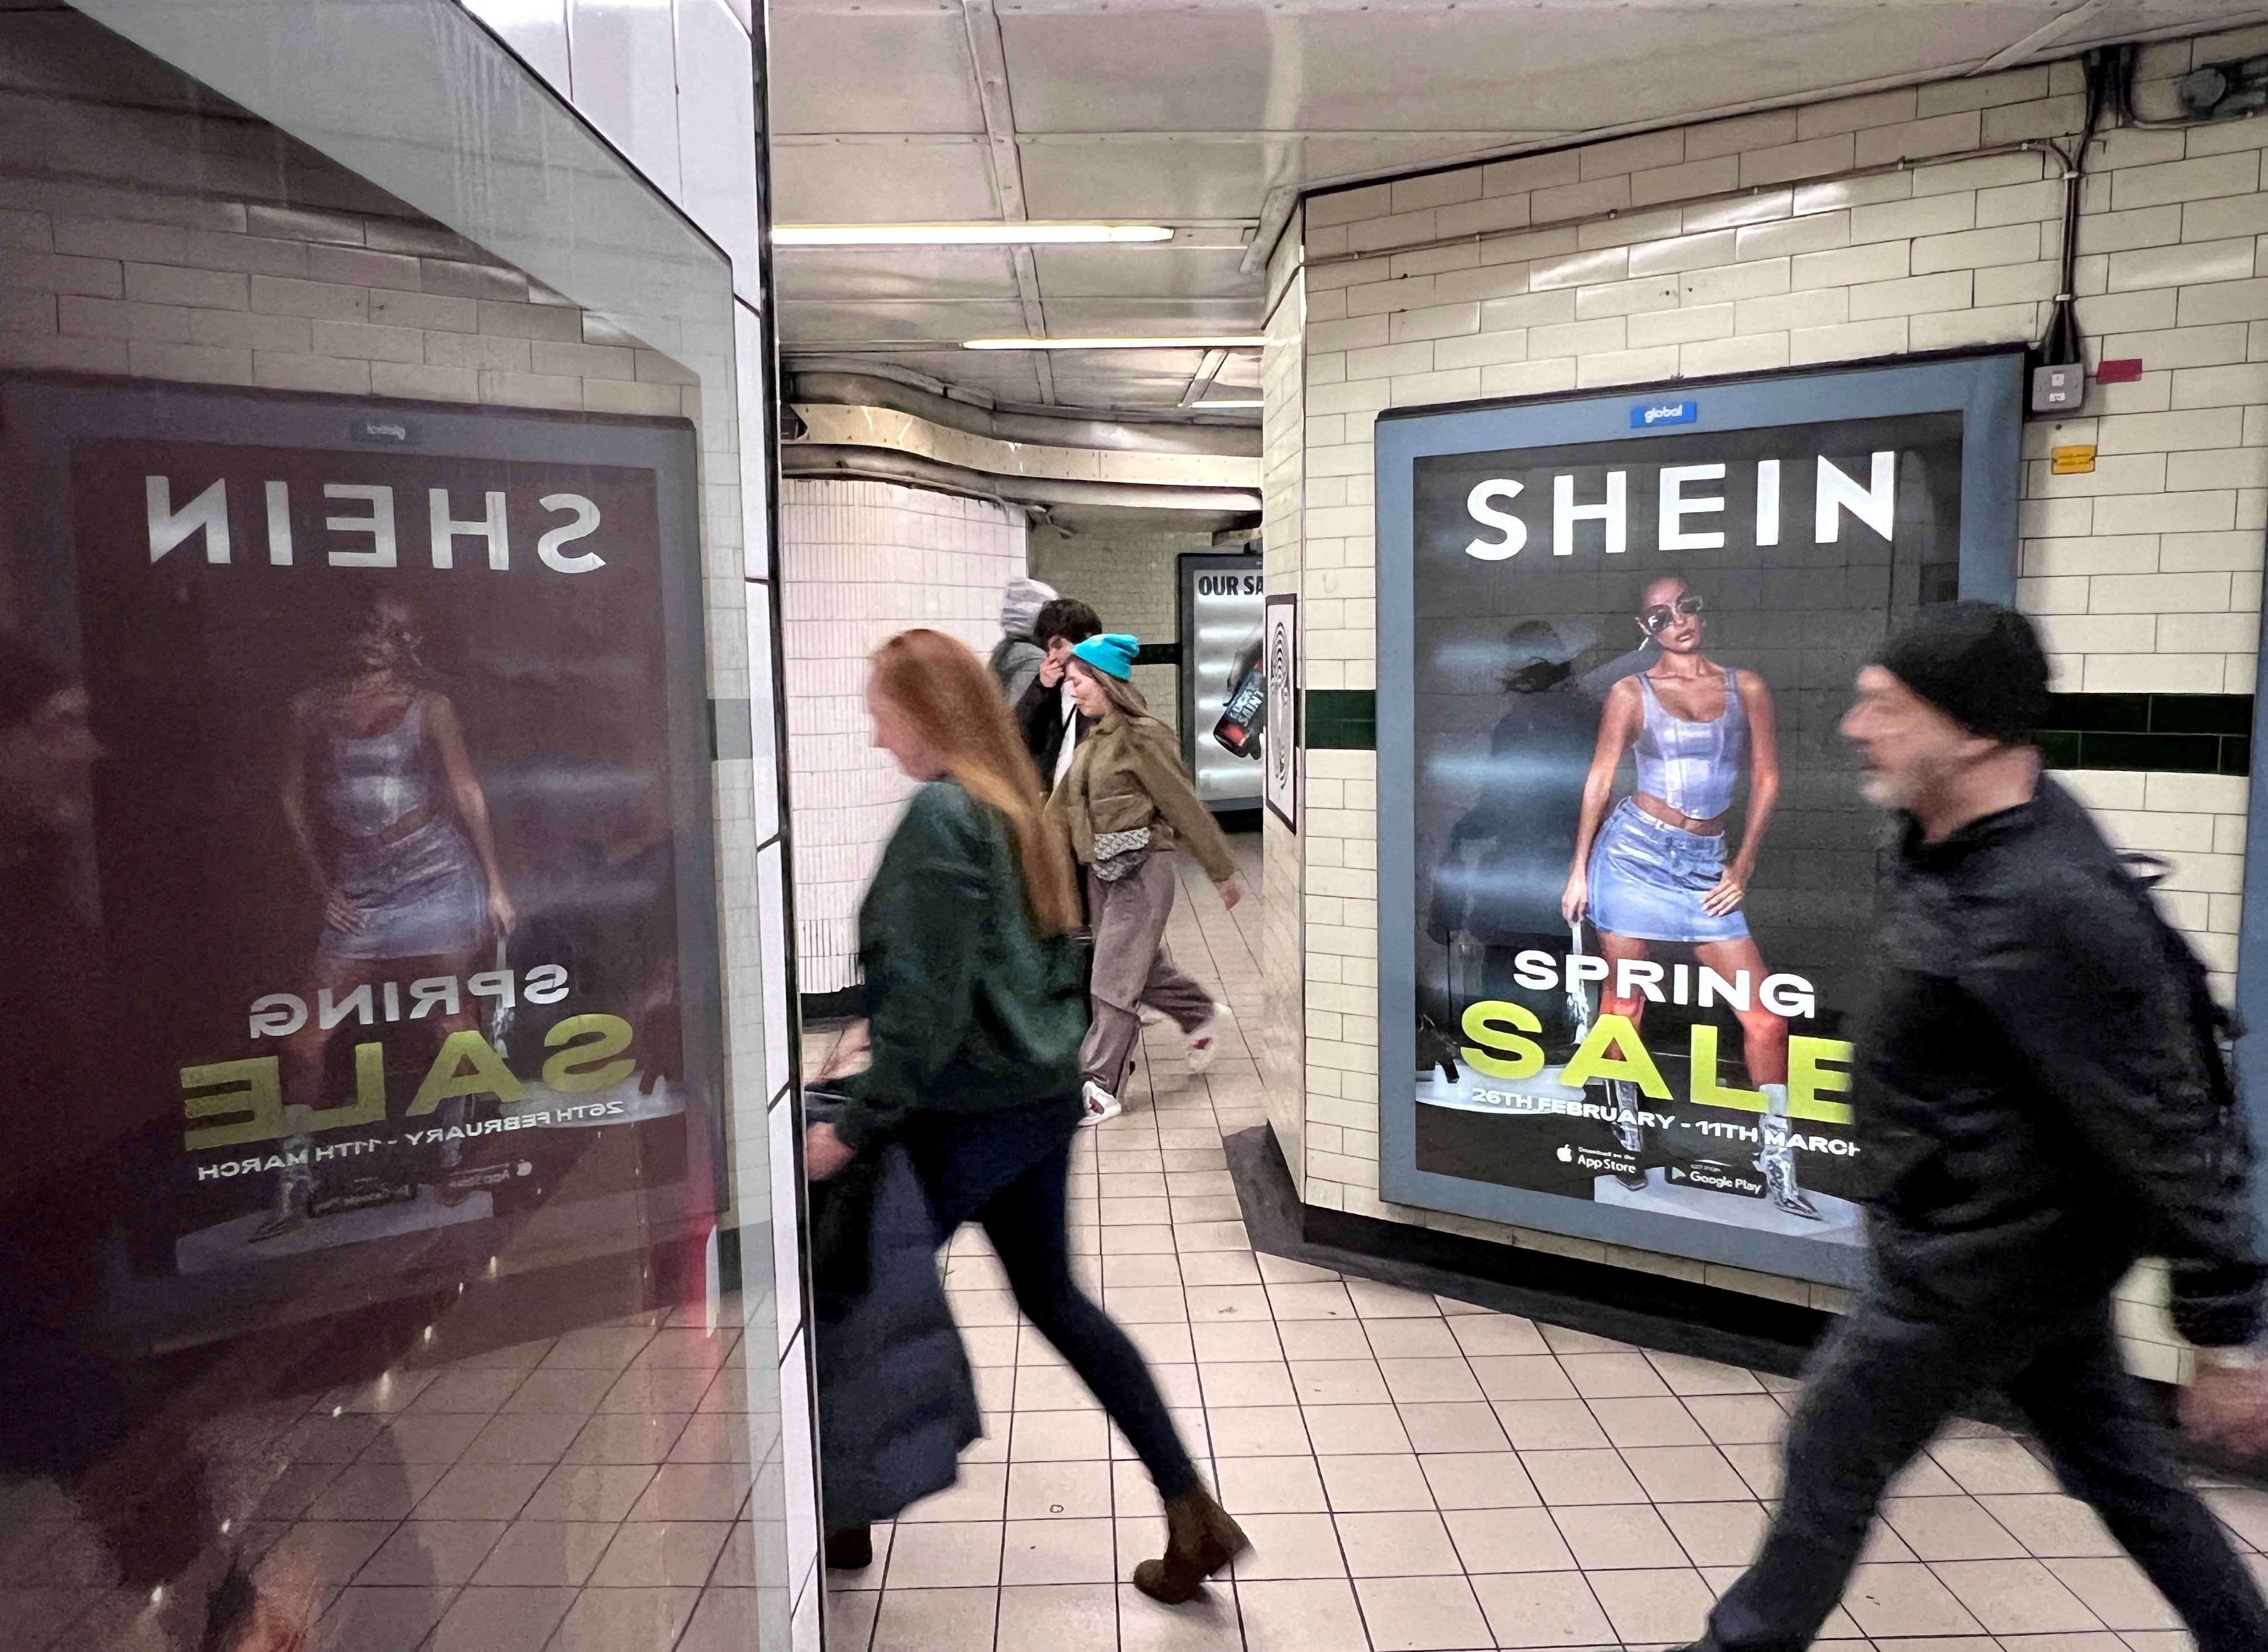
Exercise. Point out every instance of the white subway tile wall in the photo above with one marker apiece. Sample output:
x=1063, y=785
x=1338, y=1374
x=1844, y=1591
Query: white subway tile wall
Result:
x=860, y=561
x=1506, y=279
x=1128, y=581
x=100, y=279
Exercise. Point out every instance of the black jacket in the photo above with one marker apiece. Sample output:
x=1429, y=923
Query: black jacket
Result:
x=2035, y=1104
x=897, y=1403
x=1039, y=714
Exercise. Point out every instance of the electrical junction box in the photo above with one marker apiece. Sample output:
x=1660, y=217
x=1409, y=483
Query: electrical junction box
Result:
x=2059, y=389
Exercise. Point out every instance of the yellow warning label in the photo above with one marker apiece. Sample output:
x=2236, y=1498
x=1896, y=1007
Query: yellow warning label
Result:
x=2071, y=461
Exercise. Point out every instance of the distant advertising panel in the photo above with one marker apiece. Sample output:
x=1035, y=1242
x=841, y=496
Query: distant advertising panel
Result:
x=398, y=855
x=1224, y=678
x=1625, y=874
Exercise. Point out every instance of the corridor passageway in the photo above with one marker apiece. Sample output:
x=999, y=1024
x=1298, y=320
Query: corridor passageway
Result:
x=1417, y=1474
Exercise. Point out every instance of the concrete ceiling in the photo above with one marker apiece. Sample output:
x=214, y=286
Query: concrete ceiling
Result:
x=1211, y=115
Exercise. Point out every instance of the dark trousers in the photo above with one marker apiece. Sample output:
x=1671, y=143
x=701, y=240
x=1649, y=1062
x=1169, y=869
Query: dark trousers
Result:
x=1881, y=1389
x=1008, y=1170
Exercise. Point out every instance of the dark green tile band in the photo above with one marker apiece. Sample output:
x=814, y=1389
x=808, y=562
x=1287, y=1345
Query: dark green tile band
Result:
x=1341, y=719
x=2161, y=733
x=2164, y=733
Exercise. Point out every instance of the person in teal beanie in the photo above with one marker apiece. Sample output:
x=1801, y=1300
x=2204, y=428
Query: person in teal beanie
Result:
x=1113, y=653
x=1124, y=802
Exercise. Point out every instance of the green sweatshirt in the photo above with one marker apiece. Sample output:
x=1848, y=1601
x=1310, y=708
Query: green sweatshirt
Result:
x=967, y=1008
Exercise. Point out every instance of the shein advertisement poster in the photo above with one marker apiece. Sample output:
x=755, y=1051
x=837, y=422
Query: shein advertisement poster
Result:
x=398, y=859
x=1625, y=873
x=1224, y=684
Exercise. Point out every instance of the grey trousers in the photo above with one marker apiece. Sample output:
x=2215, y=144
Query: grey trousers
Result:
x=1133, y=968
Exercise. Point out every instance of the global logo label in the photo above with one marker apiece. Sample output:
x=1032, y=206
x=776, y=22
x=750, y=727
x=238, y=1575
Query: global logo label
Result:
x=1648, y=415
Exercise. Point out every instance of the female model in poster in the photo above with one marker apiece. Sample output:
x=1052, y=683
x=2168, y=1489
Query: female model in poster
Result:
x=1655, y=868
x=391, y=824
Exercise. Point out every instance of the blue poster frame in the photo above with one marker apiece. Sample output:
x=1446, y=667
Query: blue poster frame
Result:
x=1986, y=389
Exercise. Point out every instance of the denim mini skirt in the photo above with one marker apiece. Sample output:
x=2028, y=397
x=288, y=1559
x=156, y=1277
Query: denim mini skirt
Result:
x=1647, y=878
x=422, y=897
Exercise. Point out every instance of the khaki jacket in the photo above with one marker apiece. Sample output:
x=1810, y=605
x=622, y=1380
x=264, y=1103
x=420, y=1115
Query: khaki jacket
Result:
x=1127, y=774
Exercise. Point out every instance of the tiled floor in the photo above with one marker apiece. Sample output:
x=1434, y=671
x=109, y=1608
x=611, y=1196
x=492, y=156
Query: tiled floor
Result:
x=581, y=1493
x=586, y=1493
x=1415, y=1474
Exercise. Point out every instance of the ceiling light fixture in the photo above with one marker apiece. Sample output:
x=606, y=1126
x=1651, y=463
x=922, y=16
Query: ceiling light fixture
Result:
x=1226, y=403
x=963, y=234
x=1232, y=340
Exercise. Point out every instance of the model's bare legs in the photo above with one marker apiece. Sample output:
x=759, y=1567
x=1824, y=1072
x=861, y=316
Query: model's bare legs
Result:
x=1764, y=1043
x=302, y=1064
x=1764, y=1034
x=303, y=1053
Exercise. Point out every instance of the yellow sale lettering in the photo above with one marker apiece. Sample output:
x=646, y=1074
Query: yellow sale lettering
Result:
x=1613, y=1050
x=1816, y=1068
x=1706, y=1091
x=257, y=1094
x=1497, y=1050
x=367, y=1107
x=232, y=1102
x=488, y=1075
x=1807, y=1079
x=570, y=1071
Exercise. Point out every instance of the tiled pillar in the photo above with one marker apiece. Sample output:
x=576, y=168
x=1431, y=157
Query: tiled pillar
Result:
x=1284, y=966
x=860, y=561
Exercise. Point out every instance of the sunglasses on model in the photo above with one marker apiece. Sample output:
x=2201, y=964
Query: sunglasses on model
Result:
x=1658, y=618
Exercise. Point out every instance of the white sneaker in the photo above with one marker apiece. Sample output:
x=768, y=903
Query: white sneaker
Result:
x=1204, y=1043
x=1102, y=1106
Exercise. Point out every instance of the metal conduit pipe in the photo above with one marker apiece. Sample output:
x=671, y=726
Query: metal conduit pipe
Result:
x=1220, y=508
x=858, y=389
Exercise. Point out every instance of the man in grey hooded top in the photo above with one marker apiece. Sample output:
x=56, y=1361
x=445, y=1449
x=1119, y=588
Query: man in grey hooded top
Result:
x=1016, y=657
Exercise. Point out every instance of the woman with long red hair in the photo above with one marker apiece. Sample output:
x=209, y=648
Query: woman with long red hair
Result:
x=976, y=1006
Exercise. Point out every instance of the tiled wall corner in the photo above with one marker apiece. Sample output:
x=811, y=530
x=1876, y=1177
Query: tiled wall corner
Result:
x=1281, y=1046
x=860, y=561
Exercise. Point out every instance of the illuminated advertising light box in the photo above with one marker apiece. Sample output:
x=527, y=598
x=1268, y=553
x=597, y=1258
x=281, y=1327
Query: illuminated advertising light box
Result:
x=399, y=854
x=1625, y=875
x=1224, y=679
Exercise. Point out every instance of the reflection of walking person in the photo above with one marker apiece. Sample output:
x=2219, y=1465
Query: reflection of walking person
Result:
x=397, y=845
x=1122, y=801
x=1655, y=869
x=80, y=1402
x=2041, y=1100
x=973, y=1018
x=1496, y=891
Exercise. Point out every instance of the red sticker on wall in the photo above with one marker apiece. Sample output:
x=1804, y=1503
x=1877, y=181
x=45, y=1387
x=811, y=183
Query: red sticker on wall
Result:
x=2125, y=370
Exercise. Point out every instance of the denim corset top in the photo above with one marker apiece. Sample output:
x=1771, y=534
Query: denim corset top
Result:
x=371, y=784
x=1693, y=767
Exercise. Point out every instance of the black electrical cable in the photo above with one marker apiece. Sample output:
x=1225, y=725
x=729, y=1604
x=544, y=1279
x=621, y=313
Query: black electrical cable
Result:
x=2062, y=345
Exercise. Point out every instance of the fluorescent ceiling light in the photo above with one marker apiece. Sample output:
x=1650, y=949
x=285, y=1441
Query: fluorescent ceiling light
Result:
x=1234, y=341
x=962, y=234
x=1226, y=401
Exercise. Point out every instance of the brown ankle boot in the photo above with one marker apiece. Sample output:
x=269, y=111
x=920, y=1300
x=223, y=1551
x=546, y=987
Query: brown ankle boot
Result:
x=1200, y=1539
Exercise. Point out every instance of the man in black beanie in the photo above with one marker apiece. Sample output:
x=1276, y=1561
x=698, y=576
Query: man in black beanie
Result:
x=2040, y=1101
